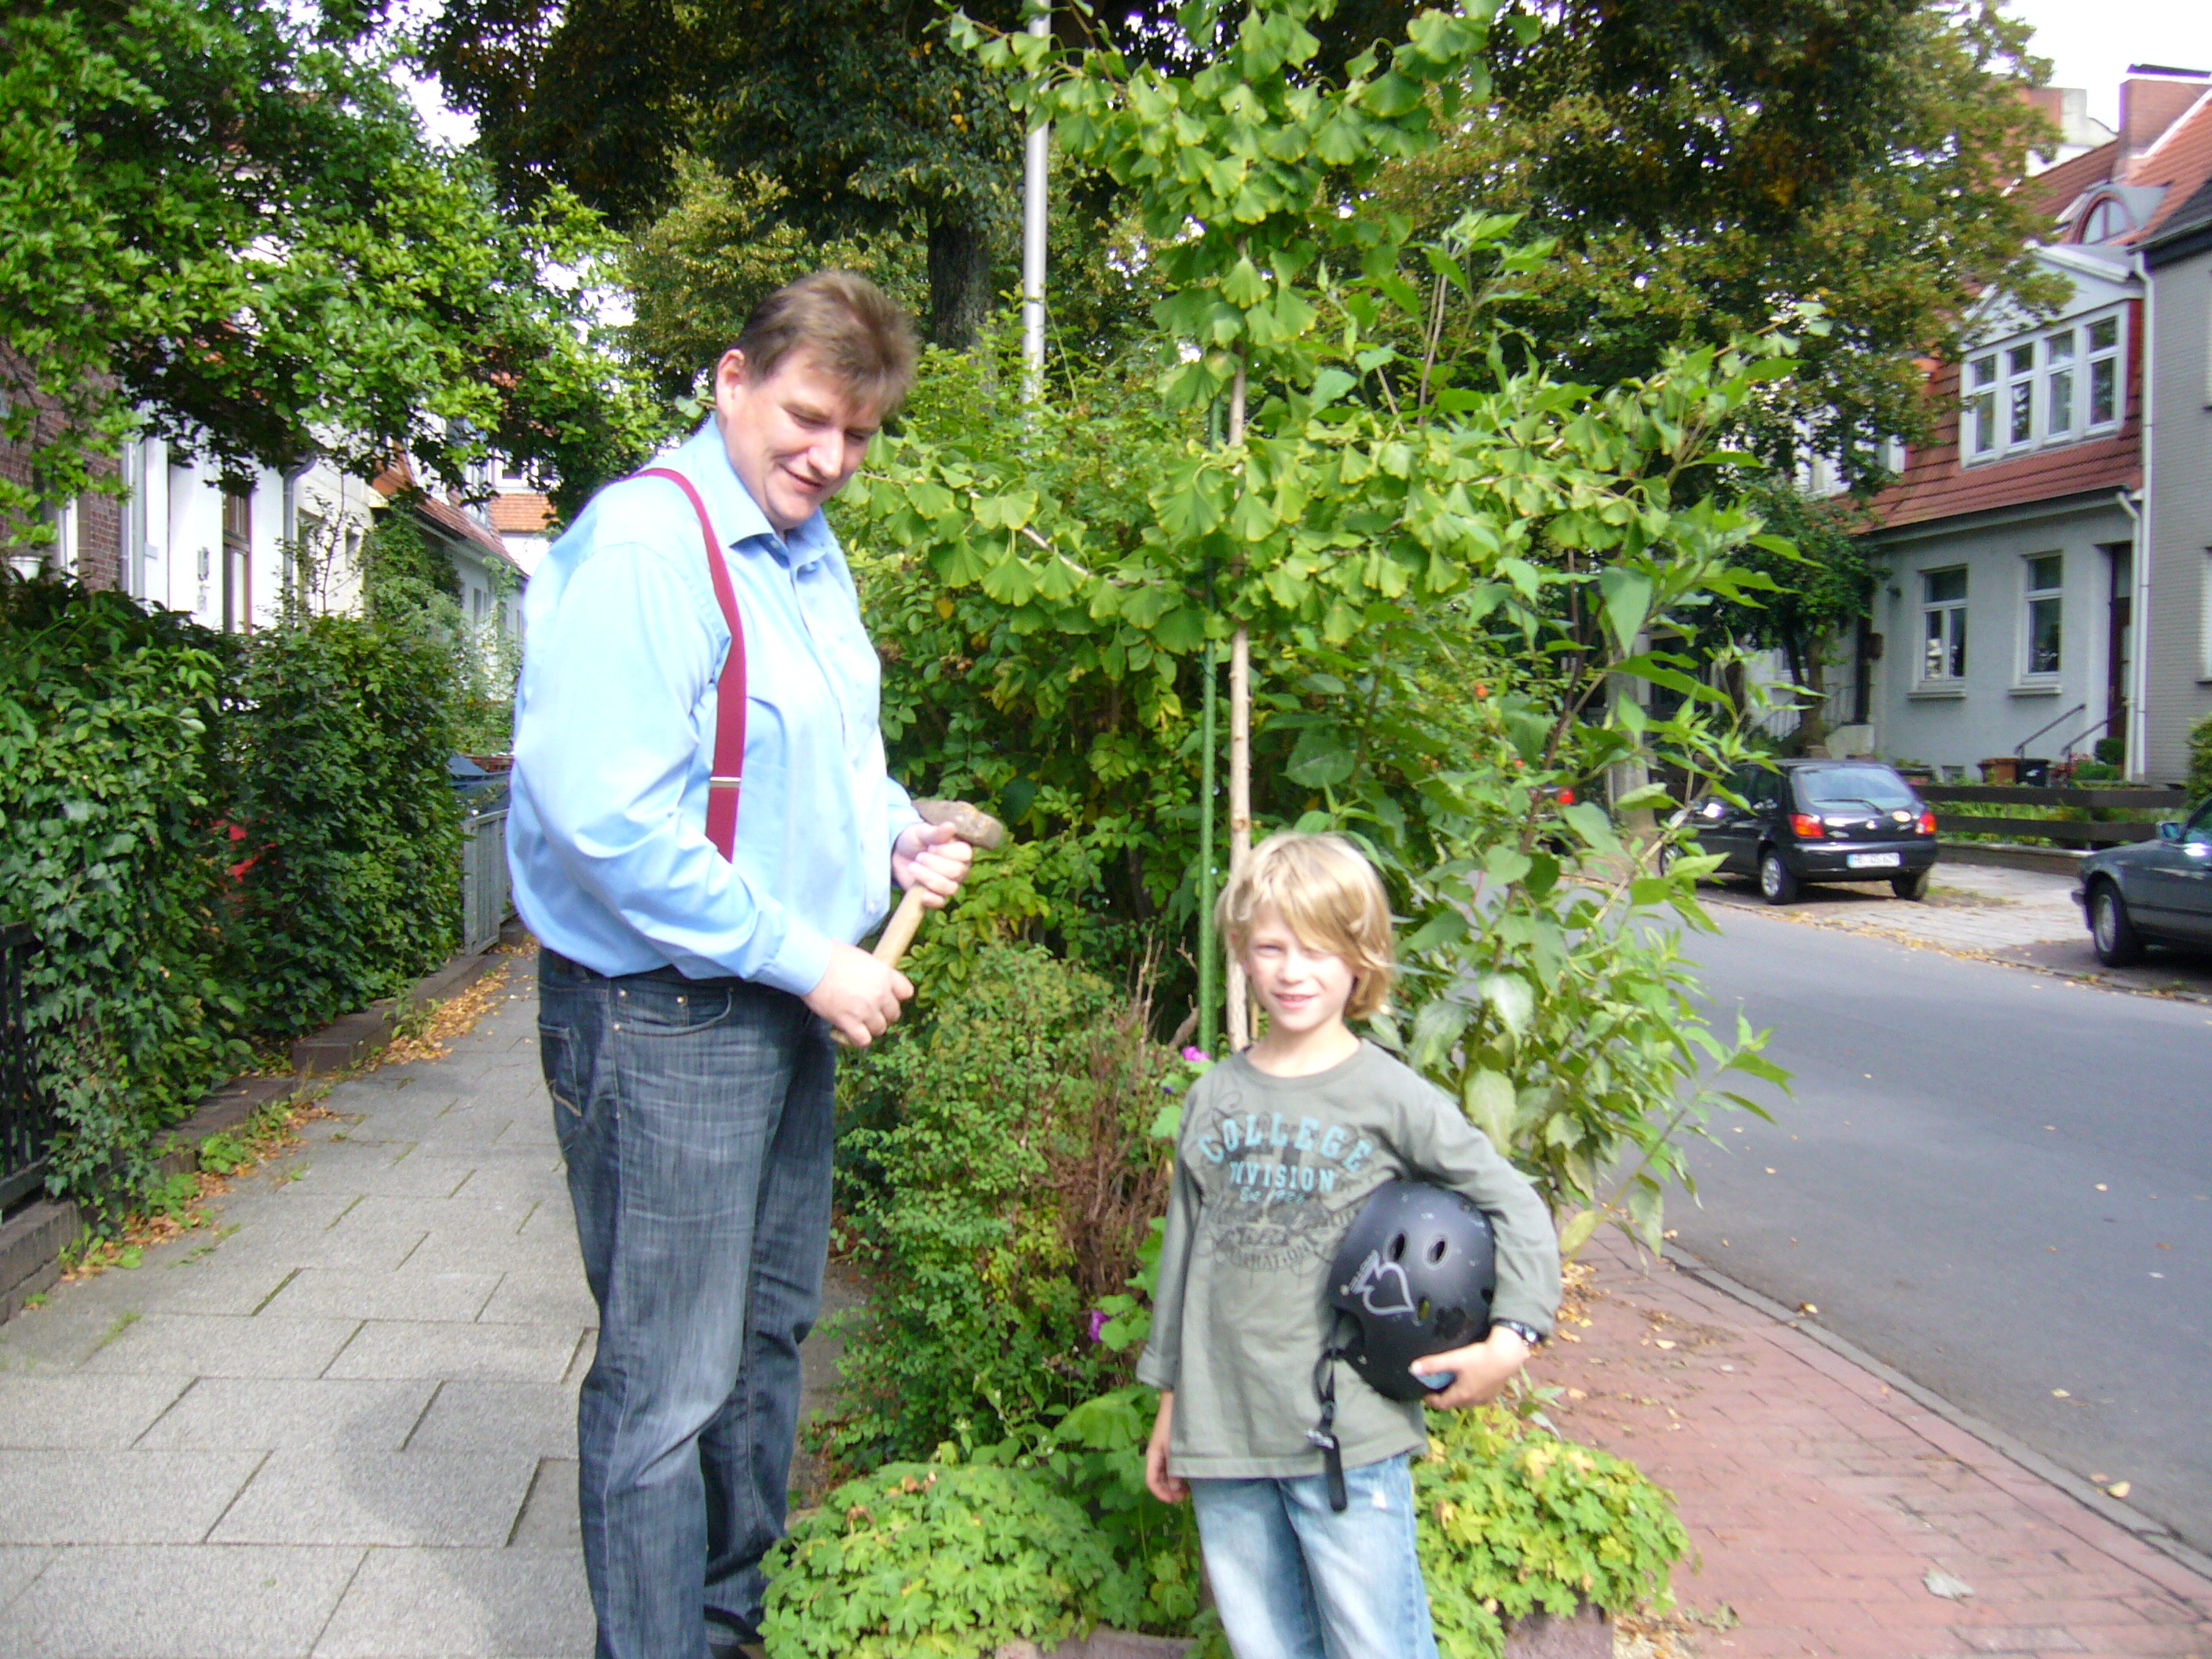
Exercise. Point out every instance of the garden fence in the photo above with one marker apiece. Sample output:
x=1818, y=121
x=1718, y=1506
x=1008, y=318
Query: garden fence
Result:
x=2077, y=832
x=26, y=1120
x=485, y=898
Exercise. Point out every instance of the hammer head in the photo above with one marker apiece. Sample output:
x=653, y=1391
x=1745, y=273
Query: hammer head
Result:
x=972, y=823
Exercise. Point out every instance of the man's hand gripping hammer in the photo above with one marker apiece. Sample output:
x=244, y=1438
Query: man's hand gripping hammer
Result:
x=971, y=825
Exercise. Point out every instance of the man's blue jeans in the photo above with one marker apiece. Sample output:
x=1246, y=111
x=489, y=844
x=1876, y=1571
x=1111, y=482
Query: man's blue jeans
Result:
x=696, y=1118
x=1295, y=1579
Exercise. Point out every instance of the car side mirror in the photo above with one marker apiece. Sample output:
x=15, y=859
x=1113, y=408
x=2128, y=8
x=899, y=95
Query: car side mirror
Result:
x=2170, y=831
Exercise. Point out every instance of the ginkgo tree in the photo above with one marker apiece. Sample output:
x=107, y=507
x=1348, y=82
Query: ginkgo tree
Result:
x=1451, y=573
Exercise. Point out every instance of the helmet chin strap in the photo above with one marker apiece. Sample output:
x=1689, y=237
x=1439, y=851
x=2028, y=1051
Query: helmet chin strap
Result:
x=1323, y=1434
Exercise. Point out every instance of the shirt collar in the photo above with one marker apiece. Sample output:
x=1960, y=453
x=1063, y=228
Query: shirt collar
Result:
x=706, y=461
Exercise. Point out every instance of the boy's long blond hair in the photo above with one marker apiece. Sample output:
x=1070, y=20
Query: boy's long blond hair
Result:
x=1329, y=896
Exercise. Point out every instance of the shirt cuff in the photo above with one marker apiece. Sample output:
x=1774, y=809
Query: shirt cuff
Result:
x=902, y=819
x=1155, y=1371
x=799, y=962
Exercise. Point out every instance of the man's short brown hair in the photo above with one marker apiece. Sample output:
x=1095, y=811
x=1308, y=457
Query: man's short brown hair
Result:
x=857, y=332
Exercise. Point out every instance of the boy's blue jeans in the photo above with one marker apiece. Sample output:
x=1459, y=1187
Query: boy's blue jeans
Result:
x=1294, y=1579
x=696, y=1118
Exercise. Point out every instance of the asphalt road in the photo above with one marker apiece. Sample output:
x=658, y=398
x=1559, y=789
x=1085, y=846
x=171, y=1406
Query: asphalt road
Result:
x=1996, y=1182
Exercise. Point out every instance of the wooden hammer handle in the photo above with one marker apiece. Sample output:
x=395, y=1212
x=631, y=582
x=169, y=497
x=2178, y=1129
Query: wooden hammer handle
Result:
x=899, y=932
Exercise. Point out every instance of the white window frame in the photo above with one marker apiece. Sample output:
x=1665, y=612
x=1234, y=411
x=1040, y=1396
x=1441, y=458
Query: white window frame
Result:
x=2034, y=391
x=2031, y=597
x=2204, y=607
x=1953, y=630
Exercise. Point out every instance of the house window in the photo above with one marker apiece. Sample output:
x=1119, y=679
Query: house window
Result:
x=2049, y=388
x=2046, y=575
x=2104, y=371
x=1943, y=625
x=1982, y=406
x=2107, y=219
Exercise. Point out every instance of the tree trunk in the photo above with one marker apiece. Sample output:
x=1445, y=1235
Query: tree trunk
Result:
x=1240, y=759
x=959, y=280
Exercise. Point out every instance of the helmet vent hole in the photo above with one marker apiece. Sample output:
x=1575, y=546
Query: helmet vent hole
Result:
x=1398, y=1247
x=1437, y=1251
x=1421, y=1313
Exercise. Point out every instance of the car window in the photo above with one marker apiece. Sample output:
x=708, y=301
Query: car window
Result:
x=1853, y=786
x=2199, y=827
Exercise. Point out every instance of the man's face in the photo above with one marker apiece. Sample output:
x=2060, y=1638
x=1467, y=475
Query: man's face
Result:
x=794, y=437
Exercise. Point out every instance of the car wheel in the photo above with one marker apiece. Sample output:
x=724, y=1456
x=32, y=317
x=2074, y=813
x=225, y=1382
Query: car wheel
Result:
x=2109, y=928
x=1910, y=887
x=1776, y=884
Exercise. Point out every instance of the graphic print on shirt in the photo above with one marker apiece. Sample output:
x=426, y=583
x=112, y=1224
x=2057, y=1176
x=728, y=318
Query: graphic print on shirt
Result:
x=1274, y=1183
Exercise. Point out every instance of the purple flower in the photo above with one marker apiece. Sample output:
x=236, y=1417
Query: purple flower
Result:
x=1097, y=1322
x=1196, y=1055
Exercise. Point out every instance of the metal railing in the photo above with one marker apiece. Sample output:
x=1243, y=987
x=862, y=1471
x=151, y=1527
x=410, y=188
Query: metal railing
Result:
x=485, y=897
x=27, y=1116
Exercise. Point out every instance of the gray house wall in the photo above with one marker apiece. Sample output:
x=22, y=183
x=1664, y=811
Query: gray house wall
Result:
x=2177, y=683
x=1997, y=705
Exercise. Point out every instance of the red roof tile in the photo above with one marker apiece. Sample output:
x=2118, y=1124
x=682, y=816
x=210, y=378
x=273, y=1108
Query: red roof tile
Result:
x=2053, y=188
x=521, y=513
x=2180, y=160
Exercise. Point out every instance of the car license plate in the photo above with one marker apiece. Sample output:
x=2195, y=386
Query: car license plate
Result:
x=1873, y=860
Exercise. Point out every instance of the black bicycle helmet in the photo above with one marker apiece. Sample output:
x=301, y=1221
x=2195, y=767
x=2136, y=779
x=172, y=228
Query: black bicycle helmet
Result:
x=1413, y=1276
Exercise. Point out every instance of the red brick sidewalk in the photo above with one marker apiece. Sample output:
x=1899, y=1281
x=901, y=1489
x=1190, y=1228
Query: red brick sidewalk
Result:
x=1821, y=1499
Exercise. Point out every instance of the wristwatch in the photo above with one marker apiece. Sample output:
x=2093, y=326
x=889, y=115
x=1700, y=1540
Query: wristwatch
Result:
x=1526, y=1334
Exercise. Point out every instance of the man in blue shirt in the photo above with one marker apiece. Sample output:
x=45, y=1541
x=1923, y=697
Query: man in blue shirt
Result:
x=687, y=999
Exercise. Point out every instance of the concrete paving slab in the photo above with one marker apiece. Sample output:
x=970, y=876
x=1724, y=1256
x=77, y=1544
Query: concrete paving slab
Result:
x=535, y=1418
x=168, y=1602
x=61, y=1411
x=354, y=1495
x=463, y=1604
x=223, y=1345
x=444, y=1252
x=134, y=1497
x=333, y=1292
x=532, y=1178
x=244, y=1412
x=551, y=1517
x=405, y=1348
x=19, y=1564
x=215, y=1283
x=59, y=1337
x=556, y=1298
x=380, y=1214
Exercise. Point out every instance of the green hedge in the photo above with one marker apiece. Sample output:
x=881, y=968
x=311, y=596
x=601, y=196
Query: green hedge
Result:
x=2200, y=760
x=217, y=841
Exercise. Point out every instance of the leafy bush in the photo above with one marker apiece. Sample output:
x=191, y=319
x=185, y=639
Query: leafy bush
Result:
x=948, y=1559
x=215, y=842
x=111, y=724
x=2200, y=761
x=1513, y=1520
x=996, y=1180
x=354, y=883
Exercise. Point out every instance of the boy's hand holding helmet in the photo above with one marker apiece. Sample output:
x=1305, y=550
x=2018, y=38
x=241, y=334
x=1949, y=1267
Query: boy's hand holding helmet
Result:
x=1414, y=1274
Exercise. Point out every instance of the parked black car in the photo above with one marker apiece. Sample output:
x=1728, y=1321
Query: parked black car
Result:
x=2156, y=892
x=1822, y=820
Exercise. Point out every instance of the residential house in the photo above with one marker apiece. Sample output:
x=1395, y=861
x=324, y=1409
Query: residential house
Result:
x=2009, y=618
x=2177, y=655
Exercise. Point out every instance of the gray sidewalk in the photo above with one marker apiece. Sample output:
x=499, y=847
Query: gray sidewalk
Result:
x=2024, y=917
x=340, y=1422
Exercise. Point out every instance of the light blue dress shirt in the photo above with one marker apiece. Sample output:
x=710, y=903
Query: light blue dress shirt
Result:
x=615, y=723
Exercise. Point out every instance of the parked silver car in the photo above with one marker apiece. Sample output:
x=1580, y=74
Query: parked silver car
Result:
x=2151, y=892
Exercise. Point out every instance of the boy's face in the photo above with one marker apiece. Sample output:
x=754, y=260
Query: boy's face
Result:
x=1302, y=989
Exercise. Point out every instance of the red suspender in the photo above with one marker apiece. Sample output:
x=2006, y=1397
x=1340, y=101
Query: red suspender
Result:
x=726, y=779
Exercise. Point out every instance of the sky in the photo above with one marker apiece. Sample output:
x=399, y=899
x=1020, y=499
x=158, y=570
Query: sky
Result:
x=2092, y=42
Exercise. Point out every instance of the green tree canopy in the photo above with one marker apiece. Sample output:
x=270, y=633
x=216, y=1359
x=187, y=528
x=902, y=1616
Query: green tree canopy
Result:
x=1705, y=163
x=225, y=212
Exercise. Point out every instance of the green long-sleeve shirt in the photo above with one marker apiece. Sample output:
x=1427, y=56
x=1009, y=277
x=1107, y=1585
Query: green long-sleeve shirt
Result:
x=1269, y=1172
